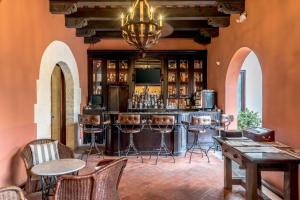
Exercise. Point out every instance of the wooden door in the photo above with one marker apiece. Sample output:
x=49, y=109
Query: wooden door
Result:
x=58, y=105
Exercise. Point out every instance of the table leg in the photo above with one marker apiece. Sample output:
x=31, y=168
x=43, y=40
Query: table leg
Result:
x=291, y=183
x=227, y=173
x=44, y=188
x=259, y=180
x=251, y=181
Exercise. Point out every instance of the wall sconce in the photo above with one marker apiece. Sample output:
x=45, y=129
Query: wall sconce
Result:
x=242, y=17
x=218, y=63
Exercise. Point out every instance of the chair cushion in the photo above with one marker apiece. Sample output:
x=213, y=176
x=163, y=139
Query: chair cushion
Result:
x=44, y=152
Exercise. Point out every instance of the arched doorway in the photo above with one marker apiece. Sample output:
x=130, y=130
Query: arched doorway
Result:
x=244, y=68
x=58, y=53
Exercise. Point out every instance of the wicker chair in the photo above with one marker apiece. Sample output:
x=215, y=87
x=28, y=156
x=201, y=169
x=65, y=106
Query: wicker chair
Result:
x=32, y=183
x=102, y=184
x=11, y=193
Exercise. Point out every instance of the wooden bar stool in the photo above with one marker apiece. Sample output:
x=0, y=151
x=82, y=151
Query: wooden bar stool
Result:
x=198, y=126
x=163, y=124
x=130, y=124
x=91, y=124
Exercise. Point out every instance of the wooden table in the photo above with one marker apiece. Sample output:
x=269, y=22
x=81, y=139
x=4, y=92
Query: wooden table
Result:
x=49, y=171
x=256, y=157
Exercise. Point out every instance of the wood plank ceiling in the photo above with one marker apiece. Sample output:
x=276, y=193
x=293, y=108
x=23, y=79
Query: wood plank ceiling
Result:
x=198, y=19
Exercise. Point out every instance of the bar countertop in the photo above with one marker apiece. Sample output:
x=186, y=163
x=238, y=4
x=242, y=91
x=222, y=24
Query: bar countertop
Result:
x=160, y=112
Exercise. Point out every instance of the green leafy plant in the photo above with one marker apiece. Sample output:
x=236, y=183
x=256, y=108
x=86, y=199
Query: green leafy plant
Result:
x=248, y=119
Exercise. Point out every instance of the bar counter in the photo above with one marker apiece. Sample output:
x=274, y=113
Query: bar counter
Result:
x=148, y=141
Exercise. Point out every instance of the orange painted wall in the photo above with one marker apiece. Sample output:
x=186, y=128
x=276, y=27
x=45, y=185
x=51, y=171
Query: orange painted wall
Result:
x=26, y=29
x=272, y=32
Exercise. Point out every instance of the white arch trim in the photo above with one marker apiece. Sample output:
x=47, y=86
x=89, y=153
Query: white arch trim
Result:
x=56, y=53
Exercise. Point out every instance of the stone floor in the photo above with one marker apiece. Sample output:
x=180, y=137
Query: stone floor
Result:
x=199, y=180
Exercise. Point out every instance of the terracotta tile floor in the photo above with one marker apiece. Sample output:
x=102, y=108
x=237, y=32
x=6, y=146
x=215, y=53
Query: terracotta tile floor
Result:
x=199, y=180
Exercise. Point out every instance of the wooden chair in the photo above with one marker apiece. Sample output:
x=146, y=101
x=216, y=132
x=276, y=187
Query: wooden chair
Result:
x=11, y=193
x=102, y=184
x=32, y=183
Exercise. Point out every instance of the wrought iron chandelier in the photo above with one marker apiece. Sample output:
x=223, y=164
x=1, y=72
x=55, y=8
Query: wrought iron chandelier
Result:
x=140, y=27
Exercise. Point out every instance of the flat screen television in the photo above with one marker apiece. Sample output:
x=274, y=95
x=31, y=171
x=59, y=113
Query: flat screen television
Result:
x=147, y=76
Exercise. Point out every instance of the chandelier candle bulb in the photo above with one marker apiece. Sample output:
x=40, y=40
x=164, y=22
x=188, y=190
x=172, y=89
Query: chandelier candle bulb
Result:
x=122, y=19
x=160, y=20
x=131, y=13
x=151, y=13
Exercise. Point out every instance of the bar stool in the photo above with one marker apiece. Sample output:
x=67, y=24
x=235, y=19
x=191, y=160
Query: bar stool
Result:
x=198, y=126
x=130, y=124
x=163, y=124
x=224, y=123
x=91, y=124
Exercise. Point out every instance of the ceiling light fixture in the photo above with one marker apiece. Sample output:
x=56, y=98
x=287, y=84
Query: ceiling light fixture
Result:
x=140, y=27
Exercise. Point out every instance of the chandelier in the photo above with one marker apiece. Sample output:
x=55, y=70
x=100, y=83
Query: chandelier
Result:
x=140, y=28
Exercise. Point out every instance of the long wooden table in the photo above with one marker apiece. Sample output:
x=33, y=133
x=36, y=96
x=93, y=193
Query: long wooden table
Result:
x=256, y=157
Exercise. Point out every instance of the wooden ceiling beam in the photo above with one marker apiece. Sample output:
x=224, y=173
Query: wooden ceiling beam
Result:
x=231, y=7
x=115, y=26
x=118, y=34
x=219, y=22
x=207, y=32
x=71, y=6
x=113, y=13
x=200, y=39
x=80, y=18
x=91, y=40
x=126, y=3
x=63, y=7
x=81, y=32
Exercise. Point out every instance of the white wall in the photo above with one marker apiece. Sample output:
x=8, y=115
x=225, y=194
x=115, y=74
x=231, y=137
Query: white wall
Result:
x=253, y=83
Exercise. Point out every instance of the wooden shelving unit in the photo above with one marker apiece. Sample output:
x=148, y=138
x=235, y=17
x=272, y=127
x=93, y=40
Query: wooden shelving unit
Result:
x=182, y=73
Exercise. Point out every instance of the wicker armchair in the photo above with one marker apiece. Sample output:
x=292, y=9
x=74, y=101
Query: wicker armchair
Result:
x=32, y=183
x=102, y=184
x=11, y=193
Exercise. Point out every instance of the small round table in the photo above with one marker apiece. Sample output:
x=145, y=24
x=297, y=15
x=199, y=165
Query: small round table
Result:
x=54, y=168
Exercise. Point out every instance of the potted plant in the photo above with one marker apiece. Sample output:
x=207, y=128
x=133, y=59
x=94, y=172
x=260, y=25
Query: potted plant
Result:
x=248, y=119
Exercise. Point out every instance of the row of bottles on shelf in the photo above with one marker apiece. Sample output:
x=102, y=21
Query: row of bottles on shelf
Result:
x=146, y=97
x=146, y=101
